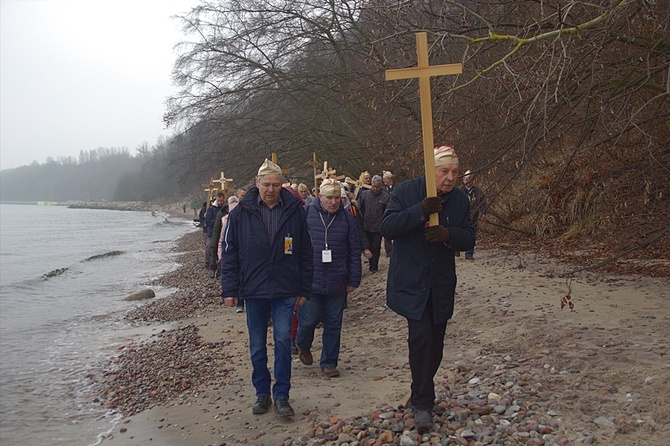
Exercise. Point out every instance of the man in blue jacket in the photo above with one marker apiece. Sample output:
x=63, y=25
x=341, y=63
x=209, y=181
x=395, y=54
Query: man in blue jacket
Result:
x=422, y=273
x=267, y=260
x=337, y=271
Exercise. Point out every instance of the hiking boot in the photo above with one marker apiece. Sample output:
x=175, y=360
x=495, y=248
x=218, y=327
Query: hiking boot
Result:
x=423, y=420
x=306, y=357
x=283, y=408
x=262, y=405
x=331, y=372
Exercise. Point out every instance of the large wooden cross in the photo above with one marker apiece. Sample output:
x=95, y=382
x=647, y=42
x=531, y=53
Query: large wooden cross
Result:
x=223, y=181
x=424, y=71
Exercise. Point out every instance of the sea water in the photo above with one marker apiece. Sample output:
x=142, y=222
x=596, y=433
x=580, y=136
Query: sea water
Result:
x=63, y=276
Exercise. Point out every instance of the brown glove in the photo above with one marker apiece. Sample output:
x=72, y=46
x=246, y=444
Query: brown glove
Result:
x=437, y=234
x=431, y=205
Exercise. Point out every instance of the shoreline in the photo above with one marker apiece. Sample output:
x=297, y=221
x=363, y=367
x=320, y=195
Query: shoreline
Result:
x=516, y=366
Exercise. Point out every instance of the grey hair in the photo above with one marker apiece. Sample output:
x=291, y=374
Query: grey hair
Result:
x=376, y=179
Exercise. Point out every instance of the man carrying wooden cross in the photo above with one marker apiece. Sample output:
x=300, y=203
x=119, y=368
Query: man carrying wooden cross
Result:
x=422, y=273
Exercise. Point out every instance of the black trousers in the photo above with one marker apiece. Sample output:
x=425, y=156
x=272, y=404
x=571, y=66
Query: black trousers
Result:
x=426, y=342
x=375, y=239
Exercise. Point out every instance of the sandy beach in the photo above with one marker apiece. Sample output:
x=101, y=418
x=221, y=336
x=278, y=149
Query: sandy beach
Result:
x=517, y=368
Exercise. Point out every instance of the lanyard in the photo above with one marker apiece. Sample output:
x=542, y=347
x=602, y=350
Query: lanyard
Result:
x=326, y=227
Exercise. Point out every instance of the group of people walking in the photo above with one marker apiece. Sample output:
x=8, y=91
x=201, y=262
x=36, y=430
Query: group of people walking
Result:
x=281, y=256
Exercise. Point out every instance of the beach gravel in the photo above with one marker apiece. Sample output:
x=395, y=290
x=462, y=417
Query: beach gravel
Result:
x=517, y=369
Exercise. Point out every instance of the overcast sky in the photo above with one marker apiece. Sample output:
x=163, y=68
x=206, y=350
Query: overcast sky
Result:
x=81, y=74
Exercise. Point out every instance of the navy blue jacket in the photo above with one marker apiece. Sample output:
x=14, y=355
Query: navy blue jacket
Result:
x=210, y=218
x=254, y=268
x=418, y=267
x=331, y=279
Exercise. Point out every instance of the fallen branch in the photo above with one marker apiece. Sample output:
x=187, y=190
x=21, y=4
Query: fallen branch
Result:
x=642, y=244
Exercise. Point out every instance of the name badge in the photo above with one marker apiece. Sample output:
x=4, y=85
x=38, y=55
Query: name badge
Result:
x=326, y=256
x=288, y=245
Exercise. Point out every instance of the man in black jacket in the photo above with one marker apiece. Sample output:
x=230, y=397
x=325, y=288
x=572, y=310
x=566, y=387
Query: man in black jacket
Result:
x=372, y=204
x=422, y=273
x=478, y=206
x=267, y=260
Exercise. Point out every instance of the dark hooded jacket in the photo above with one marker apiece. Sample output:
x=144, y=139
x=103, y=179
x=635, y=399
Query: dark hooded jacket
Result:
x=418, y=267
x=253, y=267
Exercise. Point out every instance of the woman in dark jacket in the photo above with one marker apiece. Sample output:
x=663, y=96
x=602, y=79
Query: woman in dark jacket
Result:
x=337, y=271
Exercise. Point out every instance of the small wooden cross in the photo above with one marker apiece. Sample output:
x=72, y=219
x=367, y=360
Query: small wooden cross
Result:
x=274, y=160
x=223, y=181
x=361, y=181
x=329, y=172
x=314, y=163
x=424, y=71
x=210, y=189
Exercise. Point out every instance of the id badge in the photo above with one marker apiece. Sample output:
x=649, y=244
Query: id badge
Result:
x=326, y=256
x=288, y=245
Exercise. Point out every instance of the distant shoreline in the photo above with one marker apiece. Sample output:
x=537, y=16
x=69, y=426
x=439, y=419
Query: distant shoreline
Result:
x=103, y=204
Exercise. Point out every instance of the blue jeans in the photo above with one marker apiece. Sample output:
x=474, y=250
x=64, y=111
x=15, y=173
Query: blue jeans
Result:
x=258, y=312
x=320, y=308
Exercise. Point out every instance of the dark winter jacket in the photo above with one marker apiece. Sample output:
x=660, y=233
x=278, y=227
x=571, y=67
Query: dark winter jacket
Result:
x=210, y=218
x=372, y=206
x=331, y=279
x=418, y=267
x=253, y=267
x=478, y=205
x=216, y=232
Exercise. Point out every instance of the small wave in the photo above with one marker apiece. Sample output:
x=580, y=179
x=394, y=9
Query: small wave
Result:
x=102, y=256
x=115, y=419
x=55, y=273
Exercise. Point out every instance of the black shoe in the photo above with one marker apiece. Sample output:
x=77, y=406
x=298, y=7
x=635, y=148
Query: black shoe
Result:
x=436, y=409
x=423, y=420
x=284, y=409
x=262, y=405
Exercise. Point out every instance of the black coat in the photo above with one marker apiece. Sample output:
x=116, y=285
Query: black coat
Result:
x=418, y=267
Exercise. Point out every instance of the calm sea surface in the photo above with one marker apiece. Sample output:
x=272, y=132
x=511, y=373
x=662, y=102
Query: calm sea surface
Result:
x=63, y=275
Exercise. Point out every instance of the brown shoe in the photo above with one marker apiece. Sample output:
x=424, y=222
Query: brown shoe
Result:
x=306, y=357
x=331, y=372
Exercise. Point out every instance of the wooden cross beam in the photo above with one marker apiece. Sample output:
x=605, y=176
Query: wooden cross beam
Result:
x=314, y=163
x=210, y=189
x=274, y=160
x=424, y=71
x=361, y=182
x=329, y=172
x=223, y=181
